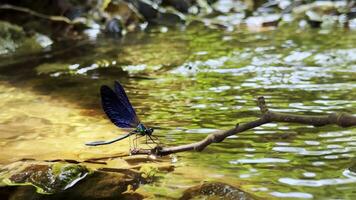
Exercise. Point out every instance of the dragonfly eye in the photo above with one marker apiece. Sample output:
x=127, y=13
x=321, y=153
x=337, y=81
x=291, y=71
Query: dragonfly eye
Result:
x=149, y=131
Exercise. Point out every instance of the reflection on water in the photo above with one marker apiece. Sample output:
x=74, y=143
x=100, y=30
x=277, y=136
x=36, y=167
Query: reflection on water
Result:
x=297, y=195
x=187, y=85
x=317, y=183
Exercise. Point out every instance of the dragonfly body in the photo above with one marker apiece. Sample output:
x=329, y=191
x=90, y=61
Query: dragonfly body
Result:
x=119, y=110
x=142, y=130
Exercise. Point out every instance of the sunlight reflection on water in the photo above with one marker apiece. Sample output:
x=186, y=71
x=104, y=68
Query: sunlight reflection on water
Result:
x=188, y=87
x=261, y=160
x=317, y=183
x=301, y=195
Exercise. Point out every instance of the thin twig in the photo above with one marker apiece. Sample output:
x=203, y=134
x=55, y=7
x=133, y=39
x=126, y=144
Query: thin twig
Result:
x=37, y=14
x=340, y=119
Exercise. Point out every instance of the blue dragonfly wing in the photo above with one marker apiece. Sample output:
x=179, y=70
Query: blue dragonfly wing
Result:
x=116, y=109
x=121, y=94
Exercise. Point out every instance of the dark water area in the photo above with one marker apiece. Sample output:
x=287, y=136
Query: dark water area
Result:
x=187, y=84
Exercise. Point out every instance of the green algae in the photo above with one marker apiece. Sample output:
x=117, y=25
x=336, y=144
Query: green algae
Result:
x=46, y=178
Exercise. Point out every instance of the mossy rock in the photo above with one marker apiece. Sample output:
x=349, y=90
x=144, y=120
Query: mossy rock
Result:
x=10, y=37
x=215, y=190
x=60, y=180
x=14, y=39
x=47, y=178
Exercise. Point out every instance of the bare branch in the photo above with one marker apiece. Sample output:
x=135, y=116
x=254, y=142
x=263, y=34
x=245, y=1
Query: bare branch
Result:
x=262, y=105
x=340, y=119
x=37, y=14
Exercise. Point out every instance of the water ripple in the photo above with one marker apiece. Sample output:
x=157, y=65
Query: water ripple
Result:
x=301, y=195
x=257, y=161
x=317, y=183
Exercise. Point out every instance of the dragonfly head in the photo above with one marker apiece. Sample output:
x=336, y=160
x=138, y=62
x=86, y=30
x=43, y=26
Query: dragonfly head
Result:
x=143, y=130
x=149, y=131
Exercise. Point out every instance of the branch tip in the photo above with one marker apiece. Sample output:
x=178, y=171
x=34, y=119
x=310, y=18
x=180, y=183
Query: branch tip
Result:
x=262, y=104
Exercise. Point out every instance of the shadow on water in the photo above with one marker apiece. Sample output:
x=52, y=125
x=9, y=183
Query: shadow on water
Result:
x=21, y=72
x=73, y=66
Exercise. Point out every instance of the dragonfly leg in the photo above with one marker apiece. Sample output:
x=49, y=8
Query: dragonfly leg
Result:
x=135, y=140
x=156, y=138
x=130, y=143
x=148, y=143
x=153, y=139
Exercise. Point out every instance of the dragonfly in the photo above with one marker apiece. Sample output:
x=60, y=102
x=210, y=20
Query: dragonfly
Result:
x=119, y=110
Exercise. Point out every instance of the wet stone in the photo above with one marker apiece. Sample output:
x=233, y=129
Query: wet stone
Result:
x=10, y=37
x=74, y=12
x=146, y=10
x=180, y=5
x=114, y=28
x=41, y=180
x=124, y=12
x=215, y=190
x=168, y=19
x=47, y=178
x=106, y=185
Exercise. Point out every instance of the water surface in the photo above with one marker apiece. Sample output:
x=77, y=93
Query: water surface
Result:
x=187, y=84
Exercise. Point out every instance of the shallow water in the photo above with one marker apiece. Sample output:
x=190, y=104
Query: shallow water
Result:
x=188, y=84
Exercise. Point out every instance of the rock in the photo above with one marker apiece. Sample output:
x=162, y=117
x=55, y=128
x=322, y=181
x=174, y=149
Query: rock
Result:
x=11, y=37
x=229, y=6
x=168, y=19
x=106, y=185
x=146, y=8
x=69, y=181
x=11, y=31
x=114, y=28
x=152, y=14
x=314, y=20
x=74, y=12
x=215, y=190
x=99, y=185
x=47, y=178
x=125, y=13
x=252, y=5
x=180, y=5
x=321, y=13
x=263, y=21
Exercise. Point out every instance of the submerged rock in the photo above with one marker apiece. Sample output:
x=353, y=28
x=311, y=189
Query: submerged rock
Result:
x=62, y=180
x=99, y=185
x=215, y=190
x=47, y=178
x=107, y=185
